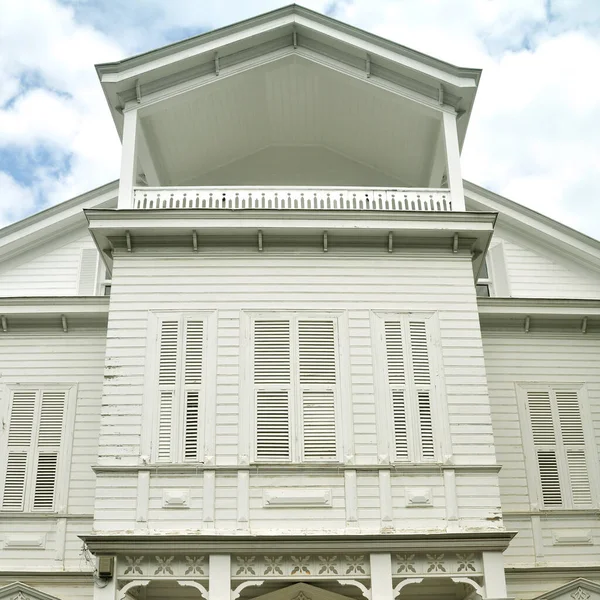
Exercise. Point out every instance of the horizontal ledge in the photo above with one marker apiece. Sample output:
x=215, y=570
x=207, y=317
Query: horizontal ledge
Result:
x=538, y=306
x=49, y=305
x=287, y=469
x=42, y=516
x=558, y=513
x=476, y=541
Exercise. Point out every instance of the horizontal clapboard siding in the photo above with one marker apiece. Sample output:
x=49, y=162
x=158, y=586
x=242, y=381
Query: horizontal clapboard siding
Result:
x=535, y=273
x=66, y=267
x=548, y=360
x=236, y=284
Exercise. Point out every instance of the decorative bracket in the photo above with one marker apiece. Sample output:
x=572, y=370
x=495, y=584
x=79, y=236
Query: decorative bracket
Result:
x=441, y=95
x=235, y=594
x=194, y=584
x=526, y=324
x=295, y=38
x=476, y=587
x=404, y=583
x=361, y=586
x=65, y=325
x=128, y=240
x=4, y=324
x=455, y=243
x=368, y=66
x=260, y=240
x=324, y=241
x=195, y=240
x=584, y=325
x=217, y=66
x=138, y=91
x=129, y=586
x=391, y=241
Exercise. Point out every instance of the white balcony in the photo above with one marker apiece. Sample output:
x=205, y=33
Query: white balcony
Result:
x=292, y=198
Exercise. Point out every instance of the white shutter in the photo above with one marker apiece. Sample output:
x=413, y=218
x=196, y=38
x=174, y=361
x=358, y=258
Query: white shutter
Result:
x=573, y=441
x=88, y=271
x=167, y=381
x=272, y=386
x=544, y=441
x=20, y=441
x=396, y=376
x=194, y=353
x=421, y=377
x=317, y=379
x=53, y=404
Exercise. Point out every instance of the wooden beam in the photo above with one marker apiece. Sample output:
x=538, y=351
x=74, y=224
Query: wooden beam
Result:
x=128, y=175
x=455, y=181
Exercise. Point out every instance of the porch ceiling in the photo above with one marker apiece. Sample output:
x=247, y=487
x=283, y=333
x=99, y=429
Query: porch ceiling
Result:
x=292, y=101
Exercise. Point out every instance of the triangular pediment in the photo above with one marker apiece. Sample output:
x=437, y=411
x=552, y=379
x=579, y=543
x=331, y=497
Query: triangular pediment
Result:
x=21, y=591
x=578, y=589
x=302, y=591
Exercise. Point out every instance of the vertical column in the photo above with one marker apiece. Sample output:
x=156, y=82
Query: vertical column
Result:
x=381, y=576
x=493, y=574
x=108, y=591
x=219, y=577
x=143, y=499
x=385, y=498
x=128, y=159
x=454, y=172
x=451, y=500
x=350, y=487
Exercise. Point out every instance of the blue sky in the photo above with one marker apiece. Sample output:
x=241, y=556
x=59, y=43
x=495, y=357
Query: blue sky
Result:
x=534, y=135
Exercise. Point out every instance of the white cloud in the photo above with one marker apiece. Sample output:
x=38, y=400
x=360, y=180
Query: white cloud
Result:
x=16, y=201
x=533, y=135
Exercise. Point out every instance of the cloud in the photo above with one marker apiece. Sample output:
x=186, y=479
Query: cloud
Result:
x=533, y=135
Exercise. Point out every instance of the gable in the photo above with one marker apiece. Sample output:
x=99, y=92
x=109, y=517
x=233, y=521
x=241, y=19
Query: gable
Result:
x=578, y=589
x=65, y=266
x=20, y=591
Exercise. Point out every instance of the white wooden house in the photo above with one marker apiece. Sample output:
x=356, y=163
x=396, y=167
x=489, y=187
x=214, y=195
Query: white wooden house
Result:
x=291, y=355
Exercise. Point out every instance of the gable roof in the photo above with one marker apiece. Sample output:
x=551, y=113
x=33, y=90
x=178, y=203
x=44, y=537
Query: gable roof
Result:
x=572, y=586
x=24, y=592
x=297, y=30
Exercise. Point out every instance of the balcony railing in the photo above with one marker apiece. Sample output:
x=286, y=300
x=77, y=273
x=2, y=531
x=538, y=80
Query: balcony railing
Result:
x=292, y=198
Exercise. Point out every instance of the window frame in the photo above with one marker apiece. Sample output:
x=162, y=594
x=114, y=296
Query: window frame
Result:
x=150, y=438
x=529, y=448
x=296, y=429
x=383, y=392
x=63, y=471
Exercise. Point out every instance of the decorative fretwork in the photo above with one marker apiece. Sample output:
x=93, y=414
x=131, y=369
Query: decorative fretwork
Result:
x=580, y=594
x=409, y=564
x=166, y=567
x=300, y=567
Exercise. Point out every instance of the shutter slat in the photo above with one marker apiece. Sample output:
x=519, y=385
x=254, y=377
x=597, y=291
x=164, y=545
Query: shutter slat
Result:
x=194, y=351
x=419, y=353
x=569, y=415
x=579, y=478
x=88, y=271
x=20, y=428
x=272, y=352
x=400, y=425
x=272, y=425
x=540, y=414
x=425, y=425
x=167, y=367
x=319, y=430
x=13, y=496
x=45, y=481
x=550, y=482
x=165, y=419
x=191, y=426
x=395, y=352
x=316, y=352
x=51, y=418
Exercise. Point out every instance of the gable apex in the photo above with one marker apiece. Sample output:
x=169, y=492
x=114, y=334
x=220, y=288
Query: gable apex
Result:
x=578, y=589
x=21, y=591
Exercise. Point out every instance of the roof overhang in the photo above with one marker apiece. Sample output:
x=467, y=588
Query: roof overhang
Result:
x=539, y=315
x=128, y=229
x=476, y=542
x=287, y=31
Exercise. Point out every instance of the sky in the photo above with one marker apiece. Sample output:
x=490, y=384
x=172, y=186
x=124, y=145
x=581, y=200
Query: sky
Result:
x=534, y=135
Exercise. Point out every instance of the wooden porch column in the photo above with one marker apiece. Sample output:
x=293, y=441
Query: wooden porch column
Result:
x=381, y=576
x=108, y=591
x=493, y=574
x=453, y=171
x=128, y=159
x=219, y=577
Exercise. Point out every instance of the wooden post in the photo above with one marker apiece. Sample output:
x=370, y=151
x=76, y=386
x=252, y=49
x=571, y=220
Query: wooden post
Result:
x=128, y=159
x=493, y=574
x=219, y=577
x=381, y=577
x=108, y=591
x=453, y=170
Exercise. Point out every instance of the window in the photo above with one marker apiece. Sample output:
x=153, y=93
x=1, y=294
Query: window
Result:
x=180, y=388
x=484, y=281
x=559, y=450
x=33, y=449
x=295, y=388
x=409, y=386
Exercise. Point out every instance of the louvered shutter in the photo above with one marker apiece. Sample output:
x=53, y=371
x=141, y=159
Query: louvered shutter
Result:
x=396, y=378
x=88, y=271
x=573, y=442
x=421, y=379
x=192, y=387
x=272, y=388
x=20, y=442
x=167, y=385
x=317, y=379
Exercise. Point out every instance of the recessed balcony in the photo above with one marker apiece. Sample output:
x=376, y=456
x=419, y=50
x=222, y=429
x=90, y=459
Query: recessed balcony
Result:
x=293, y=198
